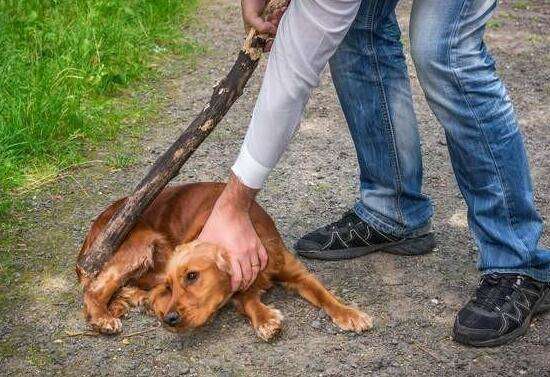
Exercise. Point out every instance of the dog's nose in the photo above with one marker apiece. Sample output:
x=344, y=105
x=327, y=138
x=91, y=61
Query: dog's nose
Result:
x=172, y=318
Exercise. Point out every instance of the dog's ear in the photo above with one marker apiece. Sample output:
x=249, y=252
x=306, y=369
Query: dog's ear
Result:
x=184, y=247
x=222, y=260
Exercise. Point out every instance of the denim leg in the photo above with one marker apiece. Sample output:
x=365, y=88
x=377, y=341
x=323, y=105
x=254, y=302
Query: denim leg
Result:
x=458, y=76
x=371, y=79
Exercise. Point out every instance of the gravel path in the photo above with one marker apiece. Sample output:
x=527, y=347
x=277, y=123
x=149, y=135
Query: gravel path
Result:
x=414, y=300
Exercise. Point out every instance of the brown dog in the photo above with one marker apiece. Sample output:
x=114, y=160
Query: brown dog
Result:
x=184, y=282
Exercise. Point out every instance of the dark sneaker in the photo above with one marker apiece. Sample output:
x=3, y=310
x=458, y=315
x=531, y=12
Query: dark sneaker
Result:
x=351, y=237
x=501, y=310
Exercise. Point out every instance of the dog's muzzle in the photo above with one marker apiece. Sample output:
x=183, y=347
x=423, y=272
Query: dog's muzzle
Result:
x=172, y=319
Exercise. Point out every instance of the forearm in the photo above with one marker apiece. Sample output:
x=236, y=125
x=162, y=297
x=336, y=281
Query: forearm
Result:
x=308, y=35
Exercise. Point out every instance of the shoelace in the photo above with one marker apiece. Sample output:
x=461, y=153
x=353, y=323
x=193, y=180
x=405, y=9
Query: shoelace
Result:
x=344, y=221
x=495, y=290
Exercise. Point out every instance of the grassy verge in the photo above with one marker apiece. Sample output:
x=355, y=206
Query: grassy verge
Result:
x=63, y=65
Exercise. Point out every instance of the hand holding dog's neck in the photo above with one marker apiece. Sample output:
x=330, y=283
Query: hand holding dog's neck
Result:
x=230, y=226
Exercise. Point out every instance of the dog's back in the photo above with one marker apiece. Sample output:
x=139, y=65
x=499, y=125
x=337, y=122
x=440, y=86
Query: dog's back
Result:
x=178, y=214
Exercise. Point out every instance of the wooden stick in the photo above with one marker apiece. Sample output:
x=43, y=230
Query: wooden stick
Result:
x=95, y=333
x=142, y=331
x=169, y=164
x=429, y=352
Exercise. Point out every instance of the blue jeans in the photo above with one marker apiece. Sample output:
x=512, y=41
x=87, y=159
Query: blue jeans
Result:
x=458, y=77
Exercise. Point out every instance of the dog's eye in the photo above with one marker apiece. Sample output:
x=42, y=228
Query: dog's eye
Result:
x=192, y=276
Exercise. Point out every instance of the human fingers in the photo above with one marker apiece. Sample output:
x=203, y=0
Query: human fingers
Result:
x=258, y=23
x=276, y=16
x=262, y=255
x=246, y=269
x=255, y=265
x=236, y=275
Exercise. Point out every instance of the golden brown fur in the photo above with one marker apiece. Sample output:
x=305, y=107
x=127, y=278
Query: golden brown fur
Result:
x=184, y=282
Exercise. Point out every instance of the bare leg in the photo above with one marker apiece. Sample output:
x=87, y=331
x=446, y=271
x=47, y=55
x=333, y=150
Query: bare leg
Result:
x=267, y=321
x=295, y=277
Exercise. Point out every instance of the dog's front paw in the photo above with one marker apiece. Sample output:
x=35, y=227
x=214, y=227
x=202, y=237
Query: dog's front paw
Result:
x=107, y=325
x=269, y=328
x=351, y=319
x=118, y=309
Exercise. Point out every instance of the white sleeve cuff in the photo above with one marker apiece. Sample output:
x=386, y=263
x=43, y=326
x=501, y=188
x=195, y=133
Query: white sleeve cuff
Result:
x=249, y=171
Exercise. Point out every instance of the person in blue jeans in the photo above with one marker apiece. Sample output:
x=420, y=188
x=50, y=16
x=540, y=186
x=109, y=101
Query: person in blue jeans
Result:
x=457, y=74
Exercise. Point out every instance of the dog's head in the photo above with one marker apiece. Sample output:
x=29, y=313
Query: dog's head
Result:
x=197, y=285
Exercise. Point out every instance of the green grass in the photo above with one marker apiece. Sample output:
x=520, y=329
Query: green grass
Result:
x=494, y=24
x=121, y=160
x=520, y=4
x=63, y=67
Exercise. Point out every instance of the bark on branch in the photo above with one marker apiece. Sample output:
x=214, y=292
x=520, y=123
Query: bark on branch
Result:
x=169, y=164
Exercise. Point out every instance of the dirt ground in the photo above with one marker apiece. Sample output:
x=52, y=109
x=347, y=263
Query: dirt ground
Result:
x=414, y=300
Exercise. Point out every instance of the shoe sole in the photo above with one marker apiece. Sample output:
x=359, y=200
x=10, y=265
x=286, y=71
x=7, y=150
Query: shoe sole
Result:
x=543, y=305
x=410, y=247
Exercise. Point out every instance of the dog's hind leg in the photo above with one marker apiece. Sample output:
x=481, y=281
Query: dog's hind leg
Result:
x=131, y=260
x=295, y=277
x=267, y=321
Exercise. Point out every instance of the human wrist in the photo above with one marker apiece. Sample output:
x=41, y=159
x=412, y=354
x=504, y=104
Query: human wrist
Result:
x=236, y=195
